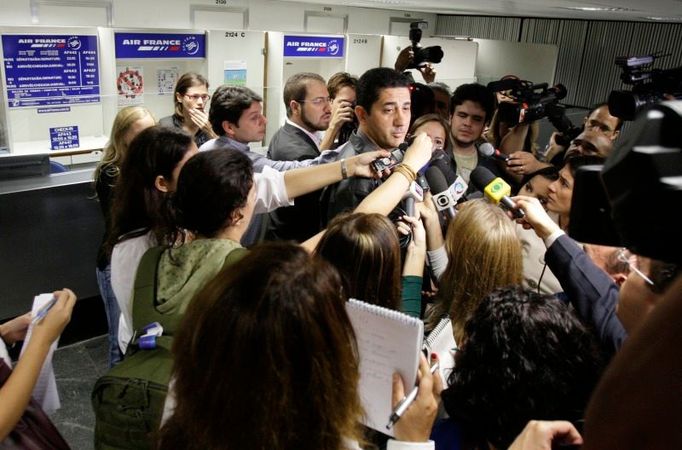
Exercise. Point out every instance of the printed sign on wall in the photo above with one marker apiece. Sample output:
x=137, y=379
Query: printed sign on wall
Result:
x=314, y=46
x=50, y=69
x=62, y=138
x=159, y=45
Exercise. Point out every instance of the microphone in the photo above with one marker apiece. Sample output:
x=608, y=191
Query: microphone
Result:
x=495, y=190
x=439, y=159
x=487, y=149
x=445, y=197
x=414, y=193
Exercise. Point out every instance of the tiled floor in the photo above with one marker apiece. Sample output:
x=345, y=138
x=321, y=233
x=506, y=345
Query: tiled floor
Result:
x=77, y=367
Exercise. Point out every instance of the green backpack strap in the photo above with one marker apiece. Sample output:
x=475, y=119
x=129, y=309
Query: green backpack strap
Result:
x=234, y=256
x=144, y=293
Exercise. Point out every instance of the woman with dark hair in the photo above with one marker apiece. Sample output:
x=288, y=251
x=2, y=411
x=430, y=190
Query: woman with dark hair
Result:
x=560, y=192
x=526, y=356
x=140, y=215
x=365, y=250
x=191, y=115
x=265, y=358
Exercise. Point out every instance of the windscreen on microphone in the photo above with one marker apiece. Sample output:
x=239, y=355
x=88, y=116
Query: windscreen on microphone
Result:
x=440, y=160
x=481, y=177
x=487, y=149
x=436, y=179
x=495, y=189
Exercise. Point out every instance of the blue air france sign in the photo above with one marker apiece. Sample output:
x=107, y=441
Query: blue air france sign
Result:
x=159, y=45
x=314, y=46
x=43, y=70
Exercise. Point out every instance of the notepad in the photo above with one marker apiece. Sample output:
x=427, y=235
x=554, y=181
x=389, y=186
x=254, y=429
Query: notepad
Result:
x=441, y=341
x=389, y=341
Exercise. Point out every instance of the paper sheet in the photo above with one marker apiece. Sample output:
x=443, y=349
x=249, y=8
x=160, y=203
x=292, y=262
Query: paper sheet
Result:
x=45, y=391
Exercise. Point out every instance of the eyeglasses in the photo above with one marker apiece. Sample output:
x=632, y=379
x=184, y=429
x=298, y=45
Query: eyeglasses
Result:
x=196, y=97
x=627, y=258
x=317, y=101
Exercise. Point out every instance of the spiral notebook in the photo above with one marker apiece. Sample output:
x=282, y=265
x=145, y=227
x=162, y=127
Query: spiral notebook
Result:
x=388, y=341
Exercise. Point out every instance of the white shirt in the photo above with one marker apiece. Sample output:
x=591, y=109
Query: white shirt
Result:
x=271, y=193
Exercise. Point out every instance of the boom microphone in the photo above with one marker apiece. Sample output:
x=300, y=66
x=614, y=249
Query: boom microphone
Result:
x=487, y=149
x=495, y=190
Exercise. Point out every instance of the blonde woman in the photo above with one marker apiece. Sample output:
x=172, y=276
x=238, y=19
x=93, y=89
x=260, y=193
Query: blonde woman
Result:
x=481, y=253
x=129, y=122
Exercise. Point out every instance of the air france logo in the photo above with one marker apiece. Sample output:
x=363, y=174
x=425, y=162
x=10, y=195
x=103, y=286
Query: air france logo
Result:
x=73, y=43
x=334, y=47
x=190, y=45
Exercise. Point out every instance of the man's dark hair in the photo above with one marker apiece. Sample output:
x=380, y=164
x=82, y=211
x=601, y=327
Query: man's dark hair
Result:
x=296, y=88
x=228, y=103
x=526, y=356
x=476, y=93
x=373, y=81
x=619, y=123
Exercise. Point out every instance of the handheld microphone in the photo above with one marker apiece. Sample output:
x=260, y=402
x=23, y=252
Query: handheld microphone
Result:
x=414, y=193
x=440, y=159
x=495, y=190
x=487, y=149
x=445, y=197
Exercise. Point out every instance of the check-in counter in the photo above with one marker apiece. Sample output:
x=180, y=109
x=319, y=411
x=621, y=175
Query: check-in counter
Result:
x=52, y=227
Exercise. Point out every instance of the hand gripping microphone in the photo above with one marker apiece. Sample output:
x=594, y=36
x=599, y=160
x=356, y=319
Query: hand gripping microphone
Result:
x=495, y=190
x=414, y=193
x=487, y=149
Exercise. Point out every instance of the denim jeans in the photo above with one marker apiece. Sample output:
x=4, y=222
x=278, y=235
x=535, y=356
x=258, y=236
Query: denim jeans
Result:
x=112, y=311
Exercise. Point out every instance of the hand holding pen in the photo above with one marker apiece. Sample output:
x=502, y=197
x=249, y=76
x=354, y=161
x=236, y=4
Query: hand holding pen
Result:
x=416, y=418
x=48, y=325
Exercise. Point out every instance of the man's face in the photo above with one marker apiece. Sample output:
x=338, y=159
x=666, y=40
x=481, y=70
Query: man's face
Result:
x=590, y=143
x=467, y=123
x=635, y=299
x=601, y=121
x=388, y=120
x=251, y=125
x=314, y=111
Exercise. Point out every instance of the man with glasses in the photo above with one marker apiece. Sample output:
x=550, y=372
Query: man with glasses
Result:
x=301, y=137
x=592, y=292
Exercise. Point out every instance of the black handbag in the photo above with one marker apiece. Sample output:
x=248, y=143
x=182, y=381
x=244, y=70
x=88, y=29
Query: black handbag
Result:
x=35, y=430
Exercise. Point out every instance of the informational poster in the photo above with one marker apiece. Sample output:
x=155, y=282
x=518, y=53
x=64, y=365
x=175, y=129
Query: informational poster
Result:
x=130, y=85
x=166, y=78
x=62, y=138
x=43, y=70
x=159, y=45
x=314, y=46
x=234, y=73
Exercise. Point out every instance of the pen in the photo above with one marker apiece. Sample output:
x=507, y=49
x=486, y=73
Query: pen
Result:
x=406, y=402
x=42, y=312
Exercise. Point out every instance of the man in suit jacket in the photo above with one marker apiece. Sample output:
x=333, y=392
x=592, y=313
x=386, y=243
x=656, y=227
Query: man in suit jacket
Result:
x=308, y=115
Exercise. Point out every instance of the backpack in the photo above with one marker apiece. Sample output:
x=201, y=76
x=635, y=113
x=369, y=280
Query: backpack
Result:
x=128, y=400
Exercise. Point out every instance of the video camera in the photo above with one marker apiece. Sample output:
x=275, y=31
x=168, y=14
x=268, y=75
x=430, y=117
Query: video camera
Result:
x=634, y=199
x=649, y=86
x=533, y=102
x=422, y=55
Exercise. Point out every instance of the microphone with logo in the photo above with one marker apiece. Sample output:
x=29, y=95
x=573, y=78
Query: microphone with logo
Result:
x=445, y=197
x=487, y=149
x=495, y=189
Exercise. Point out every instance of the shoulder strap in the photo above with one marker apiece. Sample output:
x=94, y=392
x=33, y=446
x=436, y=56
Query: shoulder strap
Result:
x=234, y=256
x=144, y=294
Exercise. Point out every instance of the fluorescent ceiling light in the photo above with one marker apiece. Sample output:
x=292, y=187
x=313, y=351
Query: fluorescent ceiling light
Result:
x=597, y=8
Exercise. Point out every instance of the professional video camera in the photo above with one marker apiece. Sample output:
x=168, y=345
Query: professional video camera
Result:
x=649, y=86
x=532, y=102
x=634, y=199
x=422, y=55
